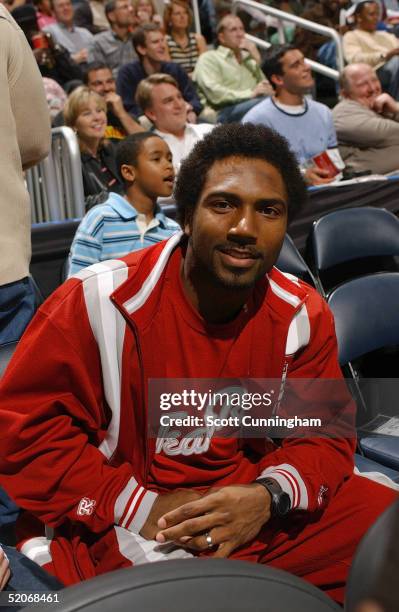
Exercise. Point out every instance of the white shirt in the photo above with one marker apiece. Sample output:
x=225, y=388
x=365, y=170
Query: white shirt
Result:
x=181, y=147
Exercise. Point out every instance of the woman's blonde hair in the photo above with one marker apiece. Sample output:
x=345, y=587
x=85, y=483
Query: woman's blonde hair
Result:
x=77, y=101
x=167, y=14
x=135, y=4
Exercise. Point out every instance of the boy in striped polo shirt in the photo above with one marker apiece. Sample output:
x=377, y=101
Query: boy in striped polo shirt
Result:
x=125, y=224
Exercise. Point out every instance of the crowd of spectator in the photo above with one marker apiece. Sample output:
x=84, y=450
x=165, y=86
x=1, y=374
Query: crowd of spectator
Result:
x=116, y=68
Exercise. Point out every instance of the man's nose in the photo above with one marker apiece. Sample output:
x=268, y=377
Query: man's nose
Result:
x=245, y=226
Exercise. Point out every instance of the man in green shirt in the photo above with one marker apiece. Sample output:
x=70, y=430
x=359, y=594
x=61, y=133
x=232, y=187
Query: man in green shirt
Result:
x=229, y=79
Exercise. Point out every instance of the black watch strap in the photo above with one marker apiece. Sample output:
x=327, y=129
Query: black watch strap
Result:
x=281, y=503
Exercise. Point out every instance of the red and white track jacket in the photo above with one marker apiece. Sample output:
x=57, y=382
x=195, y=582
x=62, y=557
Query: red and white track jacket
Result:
x=74, y=451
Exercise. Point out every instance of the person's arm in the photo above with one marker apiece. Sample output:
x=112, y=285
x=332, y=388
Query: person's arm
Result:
x=201, y=43
x=4, y=569
x=126, y=85
x=365, y=128
x=53, y=418
x=96, y=52
x=130, y=126
x=187, y=88
x=86, y=246
x=22, y=82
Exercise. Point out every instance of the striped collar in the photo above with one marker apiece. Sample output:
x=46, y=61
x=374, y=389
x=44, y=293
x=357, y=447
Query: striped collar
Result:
x=125, y=210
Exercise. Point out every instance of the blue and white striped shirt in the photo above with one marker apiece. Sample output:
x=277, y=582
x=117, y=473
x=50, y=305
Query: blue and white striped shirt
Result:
x=114, y=229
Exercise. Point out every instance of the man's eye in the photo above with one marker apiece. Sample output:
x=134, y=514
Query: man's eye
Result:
x=221, y=205
x=270, y=211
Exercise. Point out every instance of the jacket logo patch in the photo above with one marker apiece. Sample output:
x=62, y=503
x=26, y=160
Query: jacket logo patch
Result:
x=86, y=506
x=322, y=494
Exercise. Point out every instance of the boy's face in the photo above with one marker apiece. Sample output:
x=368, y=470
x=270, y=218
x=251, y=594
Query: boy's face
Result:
x=154, y=174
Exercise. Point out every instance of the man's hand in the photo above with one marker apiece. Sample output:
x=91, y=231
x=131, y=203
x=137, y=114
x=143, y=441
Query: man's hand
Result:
x=231, y=516
x=252, y=49
x=391, y=54
x=317, y=176
x=262, y=89
x=384, y=103
x=4, y=570
x=164, y=504
x=114, y=103
x=81, y=56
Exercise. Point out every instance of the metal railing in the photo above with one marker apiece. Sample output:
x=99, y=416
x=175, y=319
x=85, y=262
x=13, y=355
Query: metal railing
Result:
x=56, y=185
x=281, y=17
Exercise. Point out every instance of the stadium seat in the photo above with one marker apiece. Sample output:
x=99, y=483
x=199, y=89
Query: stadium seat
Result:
x=353, y=242
x=197, y=585
x=6, y=352
x=367, y=566
x=367, y=325
x=290, y=260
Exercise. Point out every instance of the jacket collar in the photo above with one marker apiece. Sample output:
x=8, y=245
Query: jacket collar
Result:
x=138, y=297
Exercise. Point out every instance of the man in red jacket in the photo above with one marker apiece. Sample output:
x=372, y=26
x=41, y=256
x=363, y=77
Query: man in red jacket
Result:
x=77, y=452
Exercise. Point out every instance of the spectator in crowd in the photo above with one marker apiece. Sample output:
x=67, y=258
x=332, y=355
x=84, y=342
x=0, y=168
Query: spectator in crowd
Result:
x=206, y=303
x=54, y=61
x=76, y=40
x=55, y=96
x=83, y=17
x=146, y=12
x=306, y=124
x=125, y=224
x=86, y=113
x=114, y=47
x=367, y=122
x=229, y=78
x=377, y=48
x=150, y=45
x=99, y=78
x=25, y=141
x=184, y=46
x=317, y=46
x=44, y=13
x=162, y=102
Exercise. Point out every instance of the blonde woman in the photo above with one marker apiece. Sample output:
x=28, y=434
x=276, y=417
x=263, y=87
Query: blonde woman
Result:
x=86, y=113
x=184, y=46
x=146, y=12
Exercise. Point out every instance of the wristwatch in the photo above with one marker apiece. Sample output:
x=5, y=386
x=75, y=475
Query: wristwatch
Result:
x=281, y=503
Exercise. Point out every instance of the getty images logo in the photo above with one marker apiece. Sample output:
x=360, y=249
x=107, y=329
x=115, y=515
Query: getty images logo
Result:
x=86, y=506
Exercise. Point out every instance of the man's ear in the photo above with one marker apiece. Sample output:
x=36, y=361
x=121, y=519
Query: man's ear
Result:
x=220, y=38
x=277, y=80
x=150, y=114
x=128, y=173
x=142, y=50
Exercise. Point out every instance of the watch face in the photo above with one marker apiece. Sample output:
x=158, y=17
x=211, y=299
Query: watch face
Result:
x=283, y=504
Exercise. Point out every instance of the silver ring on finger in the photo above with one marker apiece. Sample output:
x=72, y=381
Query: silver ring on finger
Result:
x=208, y=539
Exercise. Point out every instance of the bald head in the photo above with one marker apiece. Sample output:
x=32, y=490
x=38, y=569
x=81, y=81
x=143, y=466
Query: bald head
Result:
x=360, y=83
x=230, y=32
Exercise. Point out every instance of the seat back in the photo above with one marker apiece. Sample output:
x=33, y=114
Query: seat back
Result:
x=6, y=352
x=195, y=585
x=290, y=260
x=365, y=312
x=352, y=242
x=374, y=568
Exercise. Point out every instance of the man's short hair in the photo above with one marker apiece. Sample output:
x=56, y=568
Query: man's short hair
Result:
x=145, y=87
x=360, y=5
x=222, y=23
x=234, y=139
x=273, y=60
x=140, y=33
x=109, y=7
x=92, y=67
